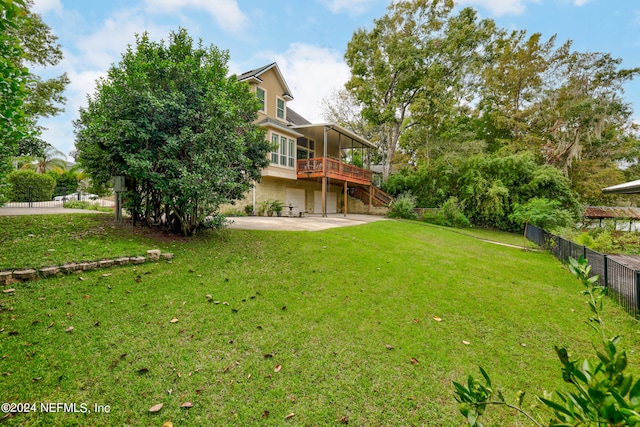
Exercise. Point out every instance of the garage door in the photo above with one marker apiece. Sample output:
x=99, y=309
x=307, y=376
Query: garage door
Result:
x=294, y=197
x=332, y=202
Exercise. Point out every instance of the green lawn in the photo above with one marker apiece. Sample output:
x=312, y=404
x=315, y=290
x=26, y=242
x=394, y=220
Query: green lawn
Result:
x=296, y=323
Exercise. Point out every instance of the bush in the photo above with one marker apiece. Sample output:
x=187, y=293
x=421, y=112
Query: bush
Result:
x=66, y=183
x=585, y=239
x=27, y=185
x=82, y=204
x=450, y=214
x=403, y=207
x=453, y=212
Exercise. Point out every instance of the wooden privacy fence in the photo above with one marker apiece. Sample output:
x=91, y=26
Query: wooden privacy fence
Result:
x=622, y=282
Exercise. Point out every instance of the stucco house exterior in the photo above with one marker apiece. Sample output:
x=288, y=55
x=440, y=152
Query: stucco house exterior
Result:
x=308, y=170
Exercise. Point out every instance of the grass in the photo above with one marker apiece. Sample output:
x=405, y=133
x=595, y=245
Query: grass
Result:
x=42, y=240
x=297, y=322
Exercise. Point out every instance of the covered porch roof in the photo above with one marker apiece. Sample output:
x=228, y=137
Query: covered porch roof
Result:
x=631, y=187
x=337, y=136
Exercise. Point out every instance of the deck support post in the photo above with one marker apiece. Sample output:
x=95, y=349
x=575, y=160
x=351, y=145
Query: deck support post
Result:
x=345, y=199
x=324, y=172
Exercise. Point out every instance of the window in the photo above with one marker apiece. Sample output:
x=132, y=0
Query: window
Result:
x=305, y=149
x=292, y=144
x=283, y=151
x=280, y=108
x=275, y=145
x=261, y=94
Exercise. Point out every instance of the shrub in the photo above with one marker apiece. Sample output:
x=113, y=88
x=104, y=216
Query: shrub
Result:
x=604, y=242
x=450, y=214
x=83, y=204
x=27, y=185
x=403, y=207
x=453, y=213
x=434, y=216
x=66, y=182
x=585, y=239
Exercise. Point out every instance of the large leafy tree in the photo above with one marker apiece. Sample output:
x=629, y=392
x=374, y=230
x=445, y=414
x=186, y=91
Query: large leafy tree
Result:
x=415, y=71
x=388, y=65
x=168, y=117
x=13, y=87
x=25, y=40
x=40, y=48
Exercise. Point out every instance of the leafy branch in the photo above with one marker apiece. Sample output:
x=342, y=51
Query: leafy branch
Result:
x=602, y=395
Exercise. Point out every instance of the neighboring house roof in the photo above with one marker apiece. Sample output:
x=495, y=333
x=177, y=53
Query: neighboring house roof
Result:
x=606, y=212
x=631, y=187
x=254, y=76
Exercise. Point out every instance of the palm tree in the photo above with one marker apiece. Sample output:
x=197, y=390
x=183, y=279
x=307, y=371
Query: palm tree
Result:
x=50, y=159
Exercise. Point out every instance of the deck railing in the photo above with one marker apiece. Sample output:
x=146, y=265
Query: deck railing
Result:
x=334, y=168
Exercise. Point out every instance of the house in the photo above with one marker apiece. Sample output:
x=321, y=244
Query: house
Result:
x=309, y=168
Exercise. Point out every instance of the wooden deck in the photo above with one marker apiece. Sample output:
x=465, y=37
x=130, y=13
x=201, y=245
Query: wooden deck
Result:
x=315, y=168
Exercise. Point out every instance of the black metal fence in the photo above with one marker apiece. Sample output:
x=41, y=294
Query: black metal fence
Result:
x=34, y=199
x=622, y=282
x=60, y=195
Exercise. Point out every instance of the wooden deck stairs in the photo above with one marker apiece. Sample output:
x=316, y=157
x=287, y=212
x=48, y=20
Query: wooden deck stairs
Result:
x=378, y=198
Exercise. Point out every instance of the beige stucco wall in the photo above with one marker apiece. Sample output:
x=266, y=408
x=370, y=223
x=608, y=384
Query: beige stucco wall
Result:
x=357, y=206
x=271, y=84
x=271, y=188
x=275, y=189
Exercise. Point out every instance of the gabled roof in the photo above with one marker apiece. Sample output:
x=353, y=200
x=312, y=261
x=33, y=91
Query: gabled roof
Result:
x=295, y=118
x=254, y=76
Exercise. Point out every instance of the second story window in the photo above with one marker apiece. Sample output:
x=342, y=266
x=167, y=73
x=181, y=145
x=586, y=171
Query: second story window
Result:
x=280, y=110
x=261, y=94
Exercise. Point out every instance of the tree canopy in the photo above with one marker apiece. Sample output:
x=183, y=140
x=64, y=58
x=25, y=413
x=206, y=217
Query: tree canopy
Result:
x=169, y=118
x=25, y=40
x=438, y=83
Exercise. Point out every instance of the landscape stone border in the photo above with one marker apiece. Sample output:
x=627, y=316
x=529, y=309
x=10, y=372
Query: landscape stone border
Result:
x=10, y=276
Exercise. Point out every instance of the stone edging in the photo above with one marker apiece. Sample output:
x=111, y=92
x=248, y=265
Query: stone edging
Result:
x=7, y=277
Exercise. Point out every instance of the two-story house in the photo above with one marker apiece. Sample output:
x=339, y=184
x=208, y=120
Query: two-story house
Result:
x=308, y=170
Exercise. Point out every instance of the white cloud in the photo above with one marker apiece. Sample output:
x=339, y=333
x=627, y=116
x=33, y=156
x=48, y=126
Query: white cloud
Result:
x=44, y=6
x=88, y=60
x=106, y=45
x=580, y=2
x=502, y=7
x=354, y=7
x=59, y=133
x=312, y=73
x=226, y=13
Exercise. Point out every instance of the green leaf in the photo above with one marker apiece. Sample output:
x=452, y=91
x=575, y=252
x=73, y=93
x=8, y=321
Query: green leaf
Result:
x=635, y=392
x=472, y=416
x=625, y=385
x=557, y=407
x=486, y=377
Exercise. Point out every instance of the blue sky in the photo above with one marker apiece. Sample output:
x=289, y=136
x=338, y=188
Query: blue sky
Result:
x=306, y=37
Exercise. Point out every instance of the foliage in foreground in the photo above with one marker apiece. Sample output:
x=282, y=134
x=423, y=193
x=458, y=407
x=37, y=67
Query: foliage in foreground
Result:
x=168, y=117
x=602, y=393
